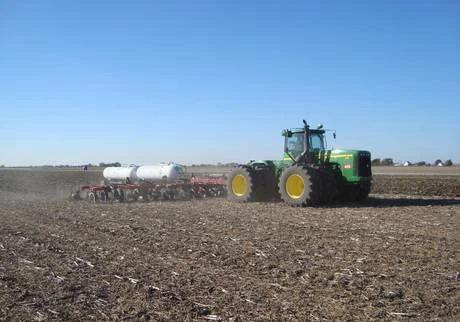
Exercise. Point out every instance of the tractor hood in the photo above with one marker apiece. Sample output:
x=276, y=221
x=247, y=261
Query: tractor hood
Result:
x=355, y=165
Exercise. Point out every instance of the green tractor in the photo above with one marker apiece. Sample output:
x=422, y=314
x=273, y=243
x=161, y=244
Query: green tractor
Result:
x=308, y=175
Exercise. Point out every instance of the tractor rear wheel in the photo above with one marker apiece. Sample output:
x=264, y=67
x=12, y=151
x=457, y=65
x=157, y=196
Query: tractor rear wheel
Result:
x=241, y=184
x=300, y=186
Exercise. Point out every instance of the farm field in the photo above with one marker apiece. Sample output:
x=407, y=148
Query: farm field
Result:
x=413, y=170
x=395, y=256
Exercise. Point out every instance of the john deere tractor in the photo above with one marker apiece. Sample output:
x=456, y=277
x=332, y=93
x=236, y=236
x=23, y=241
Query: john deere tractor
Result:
x=308, y=175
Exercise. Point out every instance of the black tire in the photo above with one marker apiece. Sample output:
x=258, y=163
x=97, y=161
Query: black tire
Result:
x=300, y=186
x=350, y=193
x=329, y=186
x=267, y=184
x=363, y=191
x=241, y=184
x=347, y=193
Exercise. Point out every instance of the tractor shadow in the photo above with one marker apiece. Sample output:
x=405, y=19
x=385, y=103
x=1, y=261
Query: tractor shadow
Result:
x=388, y=202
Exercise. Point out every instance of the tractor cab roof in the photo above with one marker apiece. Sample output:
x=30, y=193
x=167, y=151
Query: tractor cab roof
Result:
x=288, y=132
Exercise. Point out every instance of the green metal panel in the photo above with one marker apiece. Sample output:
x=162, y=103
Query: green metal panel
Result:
x=346, y=161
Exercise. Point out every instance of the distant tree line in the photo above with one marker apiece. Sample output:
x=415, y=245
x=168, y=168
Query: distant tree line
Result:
x=374, y=162
x=390, y=162
x=219, y=164
x=105, y=165
x=385, y=162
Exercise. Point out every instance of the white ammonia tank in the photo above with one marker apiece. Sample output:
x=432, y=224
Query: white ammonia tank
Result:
x=170, y=171
x=119, y=173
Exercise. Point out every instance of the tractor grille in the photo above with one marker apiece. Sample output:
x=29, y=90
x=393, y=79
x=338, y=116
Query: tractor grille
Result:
x=364, y=166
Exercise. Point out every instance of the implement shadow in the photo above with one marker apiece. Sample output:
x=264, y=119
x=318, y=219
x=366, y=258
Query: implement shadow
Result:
x=388, y=202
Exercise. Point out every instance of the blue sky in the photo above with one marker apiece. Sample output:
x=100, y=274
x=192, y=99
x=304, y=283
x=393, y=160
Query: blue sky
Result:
x=216, y=81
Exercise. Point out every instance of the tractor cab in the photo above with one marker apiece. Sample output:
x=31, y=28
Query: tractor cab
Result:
x=294, y=141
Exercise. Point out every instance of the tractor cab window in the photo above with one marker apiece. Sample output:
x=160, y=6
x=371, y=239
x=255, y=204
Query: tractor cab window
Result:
x=316, y=142
x=294, y=144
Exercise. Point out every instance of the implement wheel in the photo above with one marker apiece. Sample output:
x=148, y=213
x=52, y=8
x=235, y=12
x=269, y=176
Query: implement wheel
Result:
x=241, y=184
x=92, y=197
x=300, y=186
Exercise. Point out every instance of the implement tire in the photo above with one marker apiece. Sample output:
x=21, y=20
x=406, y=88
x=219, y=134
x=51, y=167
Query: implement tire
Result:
x=300, y=186
x=241, y=184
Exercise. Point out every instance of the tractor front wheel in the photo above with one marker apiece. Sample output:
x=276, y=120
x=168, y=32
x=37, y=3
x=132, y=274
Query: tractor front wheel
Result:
x=300, y=186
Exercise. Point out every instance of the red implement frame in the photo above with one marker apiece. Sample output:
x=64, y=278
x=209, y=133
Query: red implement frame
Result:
x=195, y=187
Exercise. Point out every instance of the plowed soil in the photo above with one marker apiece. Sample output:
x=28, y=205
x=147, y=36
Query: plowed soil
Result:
x=393, y=257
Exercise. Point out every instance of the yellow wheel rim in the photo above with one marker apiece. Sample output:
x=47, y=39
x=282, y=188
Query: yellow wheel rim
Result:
x=295, y=186
x=239, y=185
